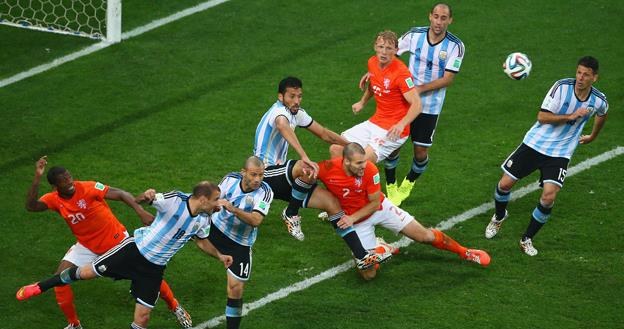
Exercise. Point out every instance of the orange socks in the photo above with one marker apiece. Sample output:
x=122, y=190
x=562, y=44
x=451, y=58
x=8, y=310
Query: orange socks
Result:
x=65, y=300
x=445, y=242
x=167, y=295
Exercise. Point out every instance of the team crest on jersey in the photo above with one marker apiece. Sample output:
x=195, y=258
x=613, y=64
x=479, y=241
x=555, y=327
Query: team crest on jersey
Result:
x=386, y=83
x=82, y=204
x=358, y=181
x=376, y=179
x=443, y=55
x=249, y=199
x=509, y=163
x=409, y=82
x=195, y=227
x=99, y=186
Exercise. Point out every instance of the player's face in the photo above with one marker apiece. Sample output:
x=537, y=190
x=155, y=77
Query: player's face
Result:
x=210, y=204
x=252, y=178
x=356, y=165
x=65, y=184
x=440, y=18
x=291, y=99
x=385, y=51
x=585, y=77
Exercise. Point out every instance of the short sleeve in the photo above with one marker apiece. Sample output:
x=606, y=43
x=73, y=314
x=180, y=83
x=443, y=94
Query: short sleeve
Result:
x=263, y=199
x=552, y=100
x=604, y=106
x=404, y=43
x=163, y=200
x=304, y=120
x=50, y=200
x=405, y=81
x=204, y=231
x=456, y=57
x=373, y=181
x=97, y=189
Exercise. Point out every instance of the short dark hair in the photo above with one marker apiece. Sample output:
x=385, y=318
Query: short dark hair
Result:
x=351, y=149
x=289, y=82
x=204, y=188
x=443, y=4
x=590, y=62
x=54, y=173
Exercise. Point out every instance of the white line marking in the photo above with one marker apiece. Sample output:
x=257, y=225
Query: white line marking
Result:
x=403, y=242
x=103, y=44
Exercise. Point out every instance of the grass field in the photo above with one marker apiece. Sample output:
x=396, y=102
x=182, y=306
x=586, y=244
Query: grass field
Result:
x=180, y=104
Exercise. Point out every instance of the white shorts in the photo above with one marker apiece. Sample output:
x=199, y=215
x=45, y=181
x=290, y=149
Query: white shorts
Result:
x=389, y=216
x=79, y=255
x=370, y=134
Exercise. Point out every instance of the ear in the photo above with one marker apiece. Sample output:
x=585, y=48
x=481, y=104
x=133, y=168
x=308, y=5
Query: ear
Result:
x=280, y=97
x=595, y=78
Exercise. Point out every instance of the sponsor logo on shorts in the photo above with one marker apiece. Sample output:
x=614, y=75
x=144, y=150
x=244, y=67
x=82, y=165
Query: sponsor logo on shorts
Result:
x=102, y=268
x=509, y=163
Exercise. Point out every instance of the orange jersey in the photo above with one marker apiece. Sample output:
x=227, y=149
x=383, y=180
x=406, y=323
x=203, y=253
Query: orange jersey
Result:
x=388, y=85
x=88, y=215
x=352, y=191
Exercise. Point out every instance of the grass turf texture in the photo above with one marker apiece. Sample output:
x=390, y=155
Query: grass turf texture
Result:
x=180, y=104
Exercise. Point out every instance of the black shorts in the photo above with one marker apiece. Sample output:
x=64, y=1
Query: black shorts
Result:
x=124, y=261
x=525, y=160
x=241, y=255
x=280, y=179
x=423, y=128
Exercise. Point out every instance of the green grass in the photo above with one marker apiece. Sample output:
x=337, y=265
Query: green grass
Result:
x=180, y=104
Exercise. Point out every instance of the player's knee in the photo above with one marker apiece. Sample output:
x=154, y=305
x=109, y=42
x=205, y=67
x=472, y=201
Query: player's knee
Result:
x=142, y=316
x=420, y=153
x=235, y=290
x=548, y=199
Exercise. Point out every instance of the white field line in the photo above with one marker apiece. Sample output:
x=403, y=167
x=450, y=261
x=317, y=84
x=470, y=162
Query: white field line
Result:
x=103, y=44
x=403, y=242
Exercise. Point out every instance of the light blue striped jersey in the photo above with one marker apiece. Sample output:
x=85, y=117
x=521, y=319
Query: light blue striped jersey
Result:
x=258, y=200
x=428, y=62
x=171, y=229
x=269, y=144
x=560, y=140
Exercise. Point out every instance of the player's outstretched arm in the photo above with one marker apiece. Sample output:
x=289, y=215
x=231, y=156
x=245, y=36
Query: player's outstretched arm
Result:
x=32, y=202
x=282, y=124
x=599, y=122
x=357, y=107
x=206, y=246
x=121, y=195
x=327, y=135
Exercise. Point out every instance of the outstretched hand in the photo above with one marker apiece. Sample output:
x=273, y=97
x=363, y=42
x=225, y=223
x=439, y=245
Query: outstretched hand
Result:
x=40, y=165
x=310, y=168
